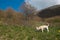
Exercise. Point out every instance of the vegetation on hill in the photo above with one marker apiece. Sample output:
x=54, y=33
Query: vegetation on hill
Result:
x=11, y=17
x=55, y=19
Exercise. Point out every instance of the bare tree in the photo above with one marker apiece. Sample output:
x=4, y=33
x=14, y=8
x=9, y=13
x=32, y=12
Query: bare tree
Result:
x=28, y=10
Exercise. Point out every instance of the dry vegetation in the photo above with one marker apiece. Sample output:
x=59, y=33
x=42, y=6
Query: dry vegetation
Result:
x=55, y=19
x=11, y=17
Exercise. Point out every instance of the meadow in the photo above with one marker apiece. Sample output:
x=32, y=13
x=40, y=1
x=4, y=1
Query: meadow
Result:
x=10, y=32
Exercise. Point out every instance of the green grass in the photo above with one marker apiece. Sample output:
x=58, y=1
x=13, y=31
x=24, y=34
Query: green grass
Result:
x=28, y=33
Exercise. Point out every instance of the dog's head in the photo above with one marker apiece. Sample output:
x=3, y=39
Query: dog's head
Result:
x=37, y=28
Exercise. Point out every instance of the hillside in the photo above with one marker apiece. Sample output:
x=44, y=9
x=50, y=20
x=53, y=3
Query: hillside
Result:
x=50, y=12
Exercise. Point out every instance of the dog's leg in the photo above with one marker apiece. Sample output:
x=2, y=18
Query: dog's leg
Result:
x=47, y=29
x=42, y=30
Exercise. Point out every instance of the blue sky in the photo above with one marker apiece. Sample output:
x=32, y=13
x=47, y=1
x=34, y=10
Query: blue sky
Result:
x=39, y=4
x=15, y=4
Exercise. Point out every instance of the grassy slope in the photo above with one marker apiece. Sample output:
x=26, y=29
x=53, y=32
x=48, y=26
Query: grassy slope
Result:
x=28, y=33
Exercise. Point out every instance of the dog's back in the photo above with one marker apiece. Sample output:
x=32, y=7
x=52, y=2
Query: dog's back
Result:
x=43, y=26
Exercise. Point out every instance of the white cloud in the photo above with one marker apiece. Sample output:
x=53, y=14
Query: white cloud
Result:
x=58, y=1
x=41, y=4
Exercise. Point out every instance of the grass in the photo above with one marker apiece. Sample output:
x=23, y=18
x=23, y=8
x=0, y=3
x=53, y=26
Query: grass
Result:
x=28, y=33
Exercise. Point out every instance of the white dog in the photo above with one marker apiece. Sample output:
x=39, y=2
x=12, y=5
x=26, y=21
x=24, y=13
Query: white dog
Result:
x=42, y=27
